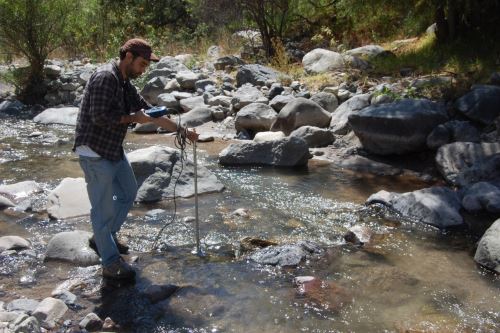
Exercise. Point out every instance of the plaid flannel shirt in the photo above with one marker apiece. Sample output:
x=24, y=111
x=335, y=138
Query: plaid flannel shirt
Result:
x=106, y=99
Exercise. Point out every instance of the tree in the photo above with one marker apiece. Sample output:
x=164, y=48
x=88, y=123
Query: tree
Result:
x=33, y=28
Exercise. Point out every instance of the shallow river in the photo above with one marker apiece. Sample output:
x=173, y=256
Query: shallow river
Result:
x=410, y=279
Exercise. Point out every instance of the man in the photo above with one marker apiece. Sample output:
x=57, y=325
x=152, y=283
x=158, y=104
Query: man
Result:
x=110, y=103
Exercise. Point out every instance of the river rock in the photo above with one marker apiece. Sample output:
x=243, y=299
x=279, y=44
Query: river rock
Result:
x=462, y=163
x=11, y=107
x=25, y=324
x=6, y=202
x=65, y=116
x=69, y=199
x=196, y=117
x=153, y=88
x=358, y=235
x=190, y=103
x=288, y=152
x=157, y=170
x=480, y=104
x=52, y=71
x=13, y=243
x=279, y=102
x=187, y=79
x=321, y=61
x=437, y=206
x=368, y=51
x=285, y=255
x=326, y=100
x=268, y=136
x=72, y=246
x=488, y=249
x=339, y=122
x=231, y=61
x=397, y=128
x=247, y=94
x=452, y=131
x=169, y=101
x=480, y=197
x=91, y=322
x=24, y=305
x=49, y=311
x=256, y=75
x=255, y=117
x=314, y=136
x=20, y=191
x=300, y=112
x=174, y=65
x=157, y=293
x=220, y=100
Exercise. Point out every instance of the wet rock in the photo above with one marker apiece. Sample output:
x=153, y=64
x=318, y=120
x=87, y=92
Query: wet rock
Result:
x=255, y=74
x=91, y=322
x=157, y=170
x=26, y=324
x=314, y=136
x=248, y=244
x=157, y=293
x=437, y=206
x=196, y=304
x=326, y=294
x=288, y=152
x=326, y=100
x=196, y=117
x=358, y=235
x=21, y=190
x=480, y=104
x=397, y=128
x=300, y=112
x=279, y=102
x=462, y=163
x=65, y=116
x=13, y=243
x=482, y=196
x=11, y=107
x=452, y=131
x=72, y=246
x=241, y=212
x=339, y=122
x=50, y=311
x=268, y=136
x=321, y=61
x=285, y=255
x=69, y=199
x=255, y=117
x=488, y=249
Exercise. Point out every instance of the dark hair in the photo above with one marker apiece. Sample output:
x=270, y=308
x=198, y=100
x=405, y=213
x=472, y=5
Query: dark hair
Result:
x=123, y=53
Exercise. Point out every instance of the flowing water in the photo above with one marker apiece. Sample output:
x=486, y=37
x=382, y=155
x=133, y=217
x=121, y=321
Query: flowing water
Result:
x=411, y=278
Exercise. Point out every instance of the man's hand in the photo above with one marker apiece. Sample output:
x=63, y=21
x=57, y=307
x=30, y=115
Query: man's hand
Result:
x=141, y=117
x=192, y=135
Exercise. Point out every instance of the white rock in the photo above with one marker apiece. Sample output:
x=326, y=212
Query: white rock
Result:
x=69, y=199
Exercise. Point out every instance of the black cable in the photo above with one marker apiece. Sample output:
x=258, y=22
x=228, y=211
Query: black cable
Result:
x=180, y=143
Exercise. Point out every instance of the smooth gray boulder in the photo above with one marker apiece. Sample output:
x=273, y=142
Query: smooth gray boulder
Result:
x=397, y=128
x=255, y=117
x=279, y=102
x=286, y=255
x=174, y=65
x=322, y=61
x=157, y=72
x=65, y=116
x=50, y=311
x=482, y=197
x=24, y=305
x=368, y=51
x=288, y=152
x=480, y=104
x=220, y=100
x=69, y=199
x=157, y=171
x=256, y=75
x=463, y=163
x=190, y=103
x=223, y=62
x=169, y=101
x=72, y=246
x=326, y=100
x=314, y=136
x=196, y=117
x=247, y=94
x=13, y=243
x=153, y=88
x=339, y=122
x=436, y=206
x=488, y=249
x=25, y=324
x=301, y=112
x=452, y=131
x=187, y=79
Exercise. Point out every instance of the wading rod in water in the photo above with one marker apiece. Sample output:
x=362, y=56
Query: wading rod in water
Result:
x=197, y=221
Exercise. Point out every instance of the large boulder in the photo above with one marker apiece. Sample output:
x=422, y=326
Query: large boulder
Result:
x=367, y=51
x=326, y=100
x=339, y=122
x=160, y=174
x=72, y=246
x=223, y=62
x=480, y=104
x=321, y=61
x=65, y=116
x=279, y=102
x=314, y=136
x=437, y=206
x=288, y=152
x=488, y=249
x=463, y=163
x=69, y=199
x=196, y=117
x=397, y=128
x=190, y=103
x=153, y=88
x=187, y=79
x=172, y=64
x=247, y=94
x=255, y=117
x=452, y=131
x=11, y=107
x=482, y=197
x=13, y=243
x=20, y=191
x=256, y=75
x=301, y=112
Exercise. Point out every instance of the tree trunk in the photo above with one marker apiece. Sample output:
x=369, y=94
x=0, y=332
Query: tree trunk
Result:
x=441, y=24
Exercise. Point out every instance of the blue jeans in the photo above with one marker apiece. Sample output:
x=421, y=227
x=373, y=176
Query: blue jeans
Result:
x=112, y=189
